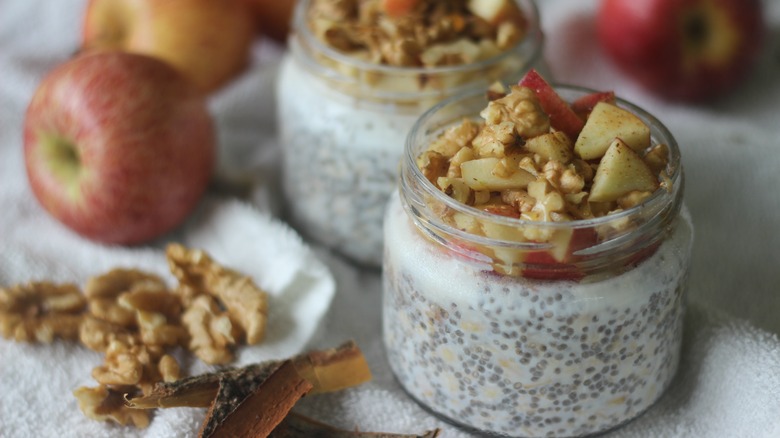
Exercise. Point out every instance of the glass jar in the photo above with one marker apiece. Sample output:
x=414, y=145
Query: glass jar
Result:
x=343, y=122
x=533, y=348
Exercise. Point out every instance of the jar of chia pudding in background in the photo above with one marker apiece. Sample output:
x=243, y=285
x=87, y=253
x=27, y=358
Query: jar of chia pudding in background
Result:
x=343, y=121
x=545, y=328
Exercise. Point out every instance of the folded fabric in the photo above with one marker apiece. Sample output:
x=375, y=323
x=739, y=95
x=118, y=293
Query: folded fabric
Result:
x=38, y=380
x=728, y=384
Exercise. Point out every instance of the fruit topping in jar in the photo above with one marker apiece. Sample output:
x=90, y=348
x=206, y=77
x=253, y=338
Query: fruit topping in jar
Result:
x=533, y=157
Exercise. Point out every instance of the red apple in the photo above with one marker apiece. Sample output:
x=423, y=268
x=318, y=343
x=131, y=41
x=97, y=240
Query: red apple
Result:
x=273, y=17
x=208, y=40
x=682, y=49
x=119, y=147
x=562, y=117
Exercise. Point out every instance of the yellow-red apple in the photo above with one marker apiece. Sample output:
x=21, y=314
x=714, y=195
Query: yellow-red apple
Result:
x=119, y=147
x=208, y=40
x=682, y=49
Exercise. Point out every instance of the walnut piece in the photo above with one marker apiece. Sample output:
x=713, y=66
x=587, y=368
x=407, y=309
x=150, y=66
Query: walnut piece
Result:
x=103, y=404
x=212, y=332
x=522, y=108
x=103, y=293
x=97, y=334
x=135, y=319
x=246, y=303
x=40, y=311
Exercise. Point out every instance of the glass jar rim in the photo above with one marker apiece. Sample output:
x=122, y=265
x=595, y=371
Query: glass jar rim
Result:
x=531, y=42
x=654, y=203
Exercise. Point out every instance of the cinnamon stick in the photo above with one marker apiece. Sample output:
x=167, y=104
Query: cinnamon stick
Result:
x=261, y=411
x=299, y=426
x=327, y=371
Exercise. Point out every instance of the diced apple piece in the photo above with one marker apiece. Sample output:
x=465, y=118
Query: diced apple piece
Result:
x=466, y=222
x=561, y=240
x=607, y=122
x=497, y=90
x=507, y=233
x=493, y=11
x=585, y=104
x=480, y=175
x=502, y=210
x=620, y=172
x=552, y=146
x=455, y=188
x=562, y=117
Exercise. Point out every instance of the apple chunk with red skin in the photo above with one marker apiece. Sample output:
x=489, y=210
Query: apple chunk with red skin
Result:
x=585, y=104
x=562, y=117
x=682, y=49
x=118, y=147
x=557, y=263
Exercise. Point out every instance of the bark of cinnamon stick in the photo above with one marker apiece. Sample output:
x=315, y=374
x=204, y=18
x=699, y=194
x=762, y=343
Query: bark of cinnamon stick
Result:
x=327, y=370
x=299, y=426
x=257, y=414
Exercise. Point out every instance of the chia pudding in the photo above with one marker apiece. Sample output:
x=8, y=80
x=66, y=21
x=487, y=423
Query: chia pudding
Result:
x=484, y=332
x=344, y=111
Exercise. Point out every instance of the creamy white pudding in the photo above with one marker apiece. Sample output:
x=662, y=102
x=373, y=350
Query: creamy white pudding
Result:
x=525, y=357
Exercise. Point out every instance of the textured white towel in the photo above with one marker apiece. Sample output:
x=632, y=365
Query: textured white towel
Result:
x=729, y=380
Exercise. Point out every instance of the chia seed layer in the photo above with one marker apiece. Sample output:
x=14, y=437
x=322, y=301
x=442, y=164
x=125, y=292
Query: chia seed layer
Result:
x=340, y=163
x=521, y=357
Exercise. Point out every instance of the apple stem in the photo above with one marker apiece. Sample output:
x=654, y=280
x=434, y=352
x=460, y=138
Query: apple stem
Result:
x=696, y=29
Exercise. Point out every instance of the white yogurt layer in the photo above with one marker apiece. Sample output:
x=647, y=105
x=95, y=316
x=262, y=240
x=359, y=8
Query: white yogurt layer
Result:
x=524, y=357
x=340, y=161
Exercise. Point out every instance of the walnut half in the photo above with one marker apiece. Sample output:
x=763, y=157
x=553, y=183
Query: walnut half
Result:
x=41, y=311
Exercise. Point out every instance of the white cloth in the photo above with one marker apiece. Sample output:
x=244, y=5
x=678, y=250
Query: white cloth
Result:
x=729, y=380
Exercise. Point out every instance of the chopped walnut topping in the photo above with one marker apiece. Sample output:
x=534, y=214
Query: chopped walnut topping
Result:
x=455, y=138
x=633, y=199
x=464, y=154
x=521, y=107
x=430, y=34
x=495, y=140
x=564, y=177
x=40, y=311
x=657, y=158
x=433, y=165
x=516, y=165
